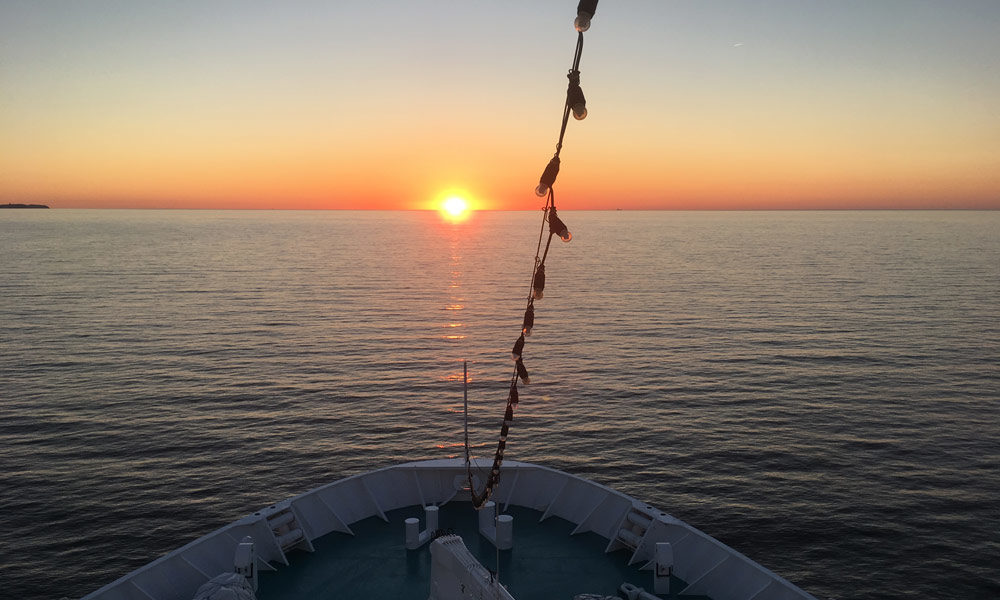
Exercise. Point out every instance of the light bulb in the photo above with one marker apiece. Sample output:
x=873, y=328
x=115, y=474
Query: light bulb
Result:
x=517, y=350
x=538, y=283
x=585, y=11
x=557, y=227
x=575, y=98
x=548, y=177
x=522, y=373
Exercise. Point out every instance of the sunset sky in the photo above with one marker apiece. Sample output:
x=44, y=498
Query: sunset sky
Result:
x=695, y=104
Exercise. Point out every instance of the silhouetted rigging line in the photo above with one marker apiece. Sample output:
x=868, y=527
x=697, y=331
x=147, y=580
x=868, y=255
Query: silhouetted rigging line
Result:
x=576, y=104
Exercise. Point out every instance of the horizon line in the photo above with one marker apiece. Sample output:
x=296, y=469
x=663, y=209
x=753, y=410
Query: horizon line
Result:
x=817, y=209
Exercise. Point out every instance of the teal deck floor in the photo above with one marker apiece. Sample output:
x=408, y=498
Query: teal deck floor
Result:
x=546, y=563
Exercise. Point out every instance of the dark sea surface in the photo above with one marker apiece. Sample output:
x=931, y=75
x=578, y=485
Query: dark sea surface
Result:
x=819, y=390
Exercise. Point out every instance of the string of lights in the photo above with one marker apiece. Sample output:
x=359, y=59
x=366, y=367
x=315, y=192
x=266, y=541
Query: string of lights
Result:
x=576, y=104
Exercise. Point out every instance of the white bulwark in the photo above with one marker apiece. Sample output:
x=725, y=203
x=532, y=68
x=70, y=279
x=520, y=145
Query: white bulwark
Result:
x=707, y=565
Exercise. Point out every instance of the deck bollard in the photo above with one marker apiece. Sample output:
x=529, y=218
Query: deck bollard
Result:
x=505, y=532
x=412, y=527
x=498, y=529
x=664, y=567
x=416, y=538
x=486, y=516
x=431, y=515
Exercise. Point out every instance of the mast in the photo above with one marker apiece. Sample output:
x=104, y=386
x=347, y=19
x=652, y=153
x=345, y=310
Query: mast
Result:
x=465, y=398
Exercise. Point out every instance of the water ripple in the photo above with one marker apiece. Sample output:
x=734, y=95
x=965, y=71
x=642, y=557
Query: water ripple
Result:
x=818, y=390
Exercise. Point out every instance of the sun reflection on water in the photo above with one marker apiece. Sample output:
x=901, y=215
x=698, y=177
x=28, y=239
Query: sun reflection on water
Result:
x=456, y=300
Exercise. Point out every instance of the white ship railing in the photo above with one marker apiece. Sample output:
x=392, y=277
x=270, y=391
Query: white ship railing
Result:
x=710, y=567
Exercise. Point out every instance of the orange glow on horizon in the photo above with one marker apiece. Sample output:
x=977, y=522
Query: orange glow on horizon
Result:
x=249, y=110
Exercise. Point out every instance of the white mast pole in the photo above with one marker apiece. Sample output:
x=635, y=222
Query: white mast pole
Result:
x=465, y=397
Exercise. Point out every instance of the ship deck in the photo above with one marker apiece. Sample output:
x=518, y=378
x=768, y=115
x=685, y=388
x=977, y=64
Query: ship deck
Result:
x=545, y=563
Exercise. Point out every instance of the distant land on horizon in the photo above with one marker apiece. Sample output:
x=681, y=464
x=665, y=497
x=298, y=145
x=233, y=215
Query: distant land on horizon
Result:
x=23, y=206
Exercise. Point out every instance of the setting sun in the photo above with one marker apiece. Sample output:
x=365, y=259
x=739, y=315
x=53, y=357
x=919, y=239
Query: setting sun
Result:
x=455, y=208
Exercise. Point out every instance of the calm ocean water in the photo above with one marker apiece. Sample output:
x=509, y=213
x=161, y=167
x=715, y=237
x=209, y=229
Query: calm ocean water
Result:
x=819, y=390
